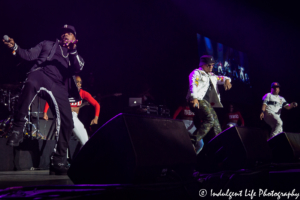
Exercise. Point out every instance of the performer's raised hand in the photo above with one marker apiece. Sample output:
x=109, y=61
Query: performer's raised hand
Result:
x=227, y=85
x=294, y=104
x=195, y=103
x=10, y=43
x=70, y=44
x=94, y=121
x=45, y=116
x=69, y=40
x=262, y=115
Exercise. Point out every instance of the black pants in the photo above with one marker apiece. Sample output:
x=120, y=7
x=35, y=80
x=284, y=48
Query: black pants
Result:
x=56, y=94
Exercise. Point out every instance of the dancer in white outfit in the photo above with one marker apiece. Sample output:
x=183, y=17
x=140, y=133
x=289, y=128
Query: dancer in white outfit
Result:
x=79, y=130
x=271, y=109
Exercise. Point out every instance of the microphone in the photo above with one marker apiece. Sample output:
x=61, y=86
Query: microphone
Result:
x=14, y=48
x=6, y=38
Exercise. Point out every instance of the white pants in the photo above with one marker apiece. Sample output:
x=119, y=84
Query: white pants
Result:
x=79, y=130
x=275, y=122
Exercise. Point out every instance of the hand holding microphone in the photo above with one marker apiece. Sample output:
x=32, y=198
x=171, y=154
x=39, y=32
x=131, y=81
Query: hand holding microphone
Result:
x=8, y=41
x=71, y=44
x=195, y=103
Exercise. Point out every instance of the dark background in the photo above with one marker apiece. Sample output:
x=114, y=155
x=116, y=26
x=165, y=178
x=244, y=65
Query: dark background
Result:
x=128, y=44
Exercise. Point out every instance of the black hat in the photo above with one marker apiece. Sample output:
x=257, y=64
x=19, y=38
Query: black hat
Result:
x=274, y=85
x=69, y=28
x=206, y=59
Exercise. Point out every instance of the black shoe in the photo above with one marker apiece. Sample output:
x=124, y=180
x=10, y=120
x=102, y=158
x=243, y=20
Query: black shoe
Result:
x=58, y=165
x=15, y=138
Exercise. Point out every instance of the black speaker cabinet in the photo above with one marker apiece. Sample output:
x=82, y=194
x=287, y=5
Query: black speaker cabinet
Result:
x=6, y=156
x=135, y=149
x=235, y=148
x=285, y=147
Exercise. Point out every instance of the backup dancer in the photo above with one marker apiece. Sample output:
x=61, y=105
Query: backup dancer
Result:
x=79, y=130
x=271, y=109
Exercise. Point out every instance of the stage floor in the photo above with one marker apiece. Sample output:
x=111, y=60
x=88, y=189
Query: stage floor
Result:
x=31, y=178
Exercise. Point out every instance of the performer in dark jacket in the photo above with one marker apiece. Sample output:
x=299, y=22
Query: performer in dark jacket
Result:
x=51, y=79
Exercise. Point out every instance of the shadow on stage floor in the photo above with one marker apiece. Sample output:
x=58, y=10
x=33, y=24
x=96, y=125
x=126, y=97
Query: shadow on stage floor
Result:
x=31, y=178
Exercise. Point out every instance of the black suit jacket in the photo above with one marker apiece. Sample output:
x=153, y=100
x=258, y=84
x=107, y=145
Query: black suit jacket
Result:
x=44, y=52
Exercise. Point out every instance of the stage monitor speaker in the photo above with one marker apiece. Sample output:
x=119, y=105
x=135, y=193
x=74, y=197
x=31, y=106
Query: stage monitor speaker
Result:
x=235, y=148
x=6, y=156
x=285, y=147
x=135, y=149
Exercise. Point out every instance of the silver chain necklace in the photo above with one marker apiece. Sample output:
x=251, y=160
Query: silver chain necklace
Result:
x=62, y=53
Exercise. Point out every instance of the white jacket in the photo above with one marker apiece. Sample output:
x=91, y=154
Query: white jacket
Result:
x=199, y=83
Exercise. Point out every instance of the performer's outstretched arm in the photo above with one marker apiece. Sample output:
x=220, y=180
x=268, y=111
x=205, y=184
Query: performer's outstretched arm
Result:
x=291, y=105
x=226, y=81
x=45, y=111
x=87, y=96
x=26, y=54
x=30, y=54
